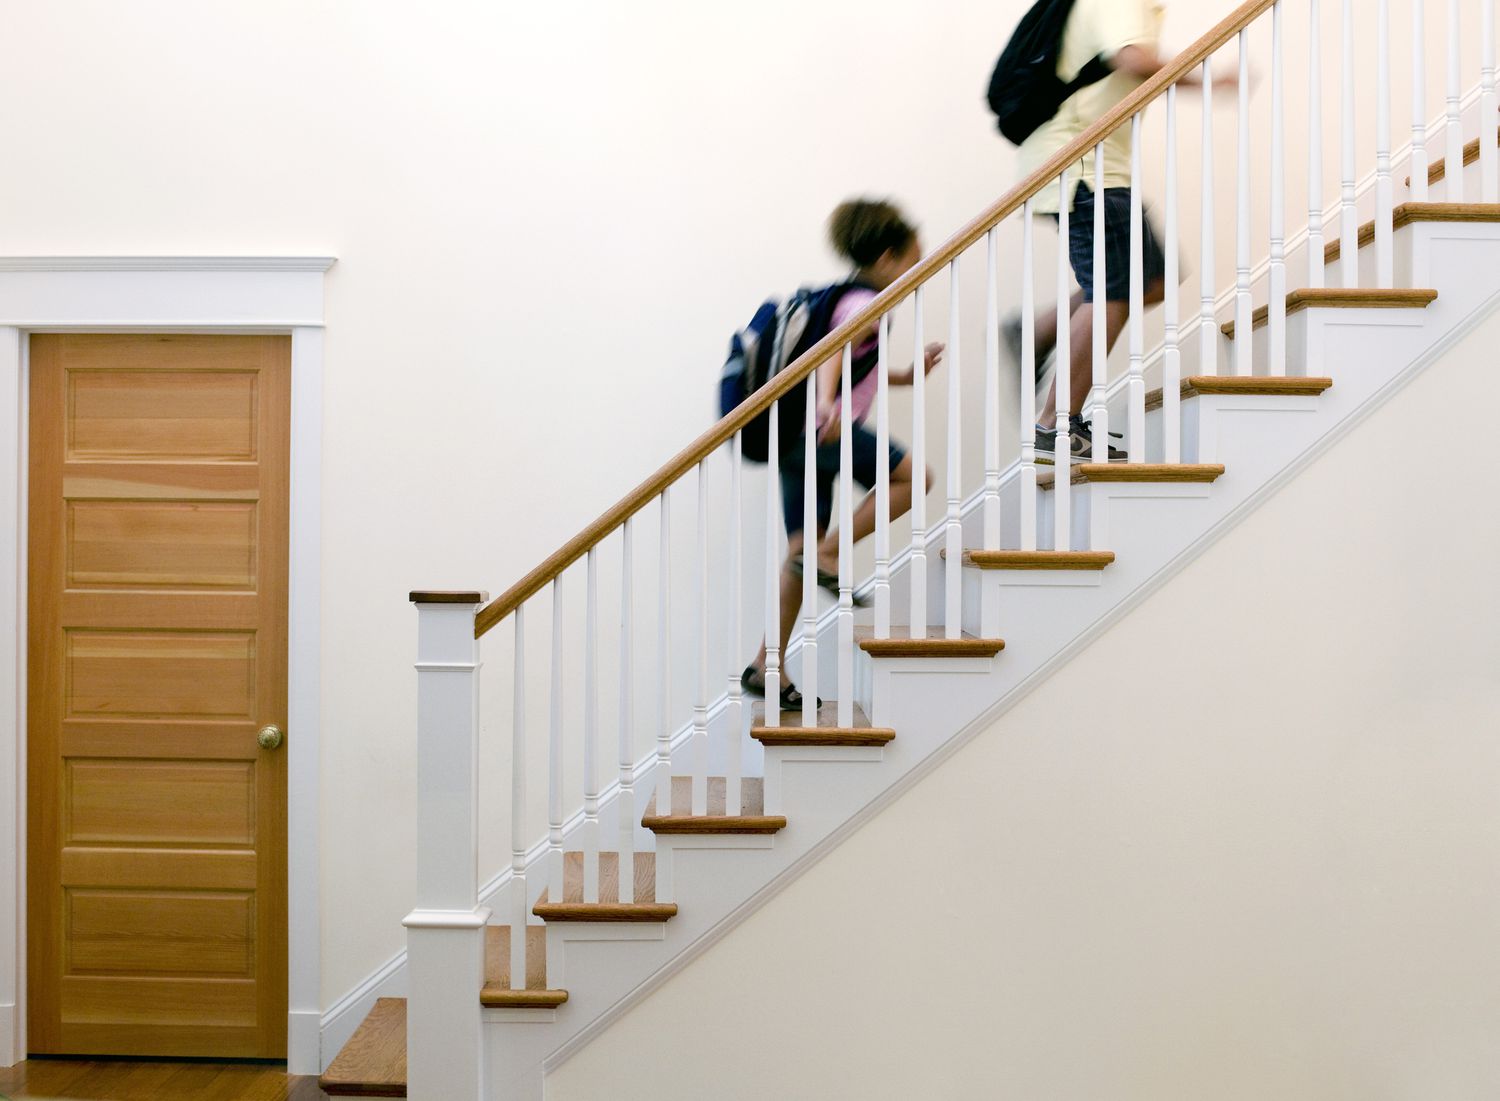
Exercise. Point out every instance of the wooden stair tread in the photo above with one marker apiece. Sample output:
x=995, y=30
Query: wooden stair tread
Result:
x=1408, y=213
x=825, y=731
x=1343, y=298
x=373, y=1062
x=643, y=907
x=1438, y=170
x=681, y=819
x=497, y=993
x=1187, y=473
x=901, y=644
x=1280, y=385
x=1038, y=560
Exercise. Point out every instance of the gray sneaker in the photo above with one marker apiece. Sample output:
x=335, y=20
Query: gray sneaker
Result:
x=1080, y=443
x=1046, y=445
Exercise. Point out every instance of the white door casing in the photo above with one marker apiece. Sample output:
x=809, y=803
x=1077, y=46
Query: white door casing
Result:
x=213, y=294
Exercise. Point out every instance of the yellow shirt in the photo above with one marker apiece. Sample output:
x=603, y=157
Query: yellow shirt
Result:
x=1095, y=27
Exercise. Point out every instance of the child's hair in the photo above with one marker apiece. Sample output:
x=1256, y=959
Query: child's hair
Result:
x=863, y=230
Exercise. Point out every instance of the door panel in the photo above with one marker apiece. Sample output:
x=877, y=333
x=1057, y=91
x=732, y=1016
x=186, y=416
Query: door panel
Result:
x=156, y=650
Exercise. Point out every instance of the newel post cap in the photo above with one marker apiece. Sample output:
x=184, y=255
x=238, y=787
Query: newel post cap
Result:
x=449, y=596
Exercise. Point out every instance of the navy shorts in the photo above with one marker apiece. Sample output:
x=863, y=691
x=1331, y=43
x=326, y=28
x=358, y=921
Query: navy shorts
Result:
x=1116, y=244
x=794, y=467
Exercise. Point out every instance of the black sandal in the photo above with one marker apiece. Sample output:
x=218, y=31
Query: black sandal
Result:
x=753, y=681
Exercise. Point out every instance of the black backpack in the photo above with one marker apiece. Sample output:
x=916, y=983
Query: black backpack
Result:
x=1025, y=91
x=777, y=334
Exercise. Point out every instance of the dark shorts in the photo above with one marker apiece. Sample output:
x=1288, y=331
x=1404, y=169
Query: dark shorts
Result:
x=1116, y=244
x=794, y=467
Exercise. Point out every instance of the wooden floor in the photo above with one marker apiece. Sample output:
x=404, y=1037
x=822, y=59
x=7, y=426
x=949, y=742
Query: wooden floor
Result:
x=153, y=1080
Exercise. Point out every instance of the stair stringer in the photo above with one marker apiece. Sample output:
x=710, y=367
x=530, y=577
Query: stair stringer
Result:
x=942, y=704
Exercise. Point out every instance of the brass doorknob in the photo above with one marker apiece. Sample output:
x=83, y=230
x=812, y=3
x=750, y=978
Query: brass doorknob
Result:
x=270, y=737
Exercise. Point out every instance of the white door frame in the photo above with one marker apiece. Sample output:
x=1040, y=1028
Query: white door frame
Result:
x=214, y=294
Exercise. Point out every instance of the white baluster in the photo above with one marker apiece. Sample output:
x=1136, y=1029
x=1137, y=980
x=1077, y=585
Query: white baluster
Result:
x=954, y=586
x=1385, y=255
x=1135, y=392
x=1208, y=326
x=1028, y=380
x=883, y=481
x=1489, y=155
x=1453, y=170
x=1243, y=308
x=1315, y=248
x=519, y=911
x=1098, y=408
x=625, y=801
x=810, y=556
x=1062, y=470
x=733, y=714
x=1349, y=224
x=555, y=753
x=1418, y=161
x=664, y=663
x=917, y=567
x=699, y=753
x=591, y=733
x=1171, y=365
x=1276, y=283
x=846, y=541
x=991, y=394
x=773, y=570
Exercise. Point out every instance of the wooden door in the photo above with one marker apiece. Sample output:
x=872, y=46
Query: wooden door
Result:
x=156, y=651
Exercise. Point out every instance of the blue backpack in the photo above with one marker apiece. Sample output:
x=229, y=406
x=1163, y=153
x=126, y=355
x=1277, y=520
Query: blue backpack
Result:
x=777, y=334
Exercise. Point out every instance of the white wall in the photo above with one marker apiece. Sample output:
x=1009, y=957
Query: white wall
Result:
x=1270, y=872
x=547, y=217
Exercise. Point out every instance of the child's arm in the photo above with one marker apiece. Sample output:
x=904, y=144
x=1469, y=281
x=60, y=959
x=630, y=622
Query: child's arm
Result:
x=932, y=357
x=830, y=374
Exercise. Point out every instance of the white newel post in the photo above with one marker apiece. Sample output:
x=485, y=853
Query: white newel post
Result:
x=445, y=932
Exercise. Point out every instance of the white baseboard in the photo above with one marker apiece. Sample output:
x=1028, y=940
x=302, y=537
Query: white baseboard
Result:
x=304, y=1031
x=10, y=1046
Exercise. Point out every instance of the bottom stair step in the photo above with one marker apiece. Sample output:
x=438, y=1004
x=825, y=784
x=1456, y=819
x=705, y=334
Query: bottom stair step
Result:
x=825, y=731
x=643, y=907
x=497, y=993
x=373, y=1062
x=681, y=819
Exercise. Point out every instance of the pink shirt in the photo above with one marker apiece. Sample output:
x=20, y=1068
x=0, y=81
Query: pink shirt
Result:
x=862, y=398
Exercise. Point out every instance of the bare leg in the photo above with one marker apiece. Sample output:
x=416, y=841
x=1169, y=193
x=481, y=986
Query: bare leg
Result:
x=1081, y=349
x=864, y=515
x=1046, y=326
x=791, y=604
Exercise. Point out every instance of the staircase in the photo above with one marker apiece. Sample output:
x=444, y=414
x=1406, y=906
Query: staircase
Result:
x=1028, y=563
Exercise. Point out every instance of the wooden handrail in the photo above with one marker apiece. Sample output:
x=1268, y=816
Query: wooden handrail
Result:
x=810, y=360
